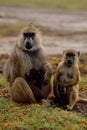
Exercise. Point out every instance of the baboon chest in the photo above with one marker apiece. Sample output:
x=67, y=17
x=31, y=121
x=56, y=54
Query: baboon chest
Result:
x=65, y=75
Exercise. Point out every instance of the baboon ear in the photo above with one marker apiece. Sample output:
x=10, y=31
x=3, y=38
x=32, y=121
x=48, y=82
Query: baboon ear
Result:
x=63, y=52
x=79, y=53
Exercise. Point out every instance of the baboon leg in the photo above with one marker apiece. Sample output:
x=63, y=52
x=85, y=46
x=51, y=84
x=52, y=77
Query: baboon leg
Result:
x=46, y=90
x=21, y=92
x=72, y=97
x=51, y=94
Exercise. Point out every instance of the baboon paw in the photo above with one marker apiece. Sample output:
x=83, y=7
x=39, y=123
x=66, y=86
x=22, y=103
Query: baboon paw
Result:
x=45, y=102
x=51, y=96
x=68, y=108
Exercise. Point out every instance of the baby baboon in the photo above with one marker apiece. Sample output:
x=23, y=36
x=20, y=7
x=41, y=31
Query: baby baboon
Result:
x=27, y=70
x=66, y=79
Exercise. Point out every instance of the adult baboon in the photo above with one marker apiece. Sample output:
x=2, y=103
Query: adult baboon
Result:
x=66, y=79
x=27, y=70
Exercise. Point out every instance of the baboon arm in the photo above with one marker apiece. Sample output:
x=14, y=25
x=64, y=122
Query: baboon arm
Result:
x=6, y=71
x=48, y=71
x=59, y=72
x=11, y=70
x=55, y=86
x=73, y=81
x=56, y=81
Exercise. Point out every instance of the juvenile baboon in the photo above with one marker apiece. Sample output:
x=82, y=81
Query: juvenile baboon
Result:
x=66, y=79
x=27, y=70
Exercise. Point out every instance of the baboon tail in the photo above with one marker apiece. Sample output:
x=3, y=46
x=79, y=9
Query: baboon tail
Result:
x=81, y=99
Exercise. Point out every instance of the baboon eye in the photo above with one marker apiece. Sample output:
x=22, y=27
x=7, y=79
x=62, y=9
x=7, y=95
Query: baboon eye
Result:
x=70, y=55
x=31, y=35
x=26, y=34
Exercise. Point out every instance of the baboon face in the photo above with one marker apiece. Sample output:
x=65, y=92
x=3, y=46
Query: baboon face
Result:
x=71, y=57
x=30, y=38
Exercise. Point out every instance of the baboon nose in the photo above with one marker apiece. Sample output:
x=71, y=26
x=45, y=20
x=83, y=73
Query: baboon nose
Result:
x=69, y=62
x=28, y=45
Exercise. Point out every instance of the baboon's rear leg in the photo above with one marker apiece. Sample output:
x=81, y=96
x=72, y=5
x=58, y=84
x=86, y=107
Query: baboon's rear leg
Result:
x=46, y=91
x=72, y=97
x=21, y=92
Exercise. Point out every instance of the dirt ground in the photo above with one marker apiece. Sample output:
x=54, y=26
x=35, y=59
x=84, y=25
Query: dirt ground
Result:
x=71, y=27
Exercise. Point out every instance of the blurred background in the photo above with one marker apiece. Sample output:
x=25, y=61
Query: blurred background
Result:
x=63, y=23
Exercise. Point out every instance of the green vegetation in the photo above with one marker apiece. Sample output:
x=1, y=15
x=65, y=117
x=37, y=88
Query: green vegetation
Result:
x=38, y=117
x=70, y=4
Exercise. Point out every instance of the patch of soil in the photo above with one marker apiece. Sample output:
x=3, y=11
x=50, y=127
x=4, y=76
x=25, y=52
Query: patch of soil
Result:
x=56, y=19
x=81, y=107
x=62, y=28
x=53, y=45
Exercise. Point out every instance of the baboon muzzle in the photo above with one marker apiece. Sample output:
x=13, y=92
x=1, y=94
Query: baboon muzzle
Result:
x=69, y=62
x=28, y=45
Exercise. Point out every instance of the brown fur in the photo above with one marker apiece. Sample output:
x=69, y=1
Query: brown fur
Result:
x=24, y=68
x=66, y=81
